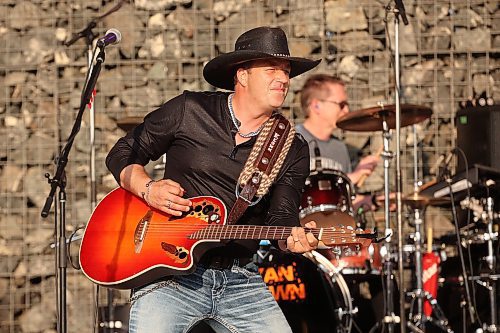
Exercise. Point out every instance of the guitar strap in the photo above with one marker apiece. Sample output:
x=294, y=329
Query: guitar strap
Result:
x=263, y=166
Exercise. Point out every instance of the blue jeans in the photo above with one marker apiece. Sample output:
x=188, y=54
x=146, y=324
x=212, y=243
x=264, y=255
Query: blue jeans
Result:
x=229, y=300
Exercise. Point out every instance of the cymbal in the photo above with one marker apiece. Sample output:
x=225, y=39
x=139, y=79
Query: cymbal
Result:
x=128, y=123
x=368, y=120
x=416, y=200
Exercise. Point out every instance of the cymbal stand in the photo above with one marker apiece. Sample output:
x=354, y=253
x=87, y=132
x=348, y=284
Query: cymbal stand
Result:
x=419, y=317
x=491, y=283
x=399, y=11
x=390, y=317
x=417, y=321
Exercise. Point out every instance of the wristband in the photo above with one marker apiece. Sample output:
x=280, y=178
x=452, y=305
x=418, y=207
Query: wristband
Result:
x=374, y=201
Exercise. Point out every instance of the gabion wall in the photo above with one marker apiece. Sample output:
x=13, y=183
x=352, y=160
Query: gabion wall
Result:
x=449, y=53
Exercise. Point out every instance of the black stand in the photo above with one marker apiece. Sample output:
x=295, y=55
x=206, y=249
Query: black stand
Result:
x=58, y=181
x=468, y=300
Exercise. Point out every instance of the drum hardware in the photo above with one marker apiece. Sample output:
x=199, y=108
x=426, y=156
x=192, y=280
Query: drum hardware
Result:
x=383, y=118
x=418, y=316
x=487, y=214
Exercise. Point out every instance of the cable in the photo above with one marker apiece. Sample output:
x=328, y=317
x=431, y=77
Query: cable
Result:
x=70, y=240
x=469, y=253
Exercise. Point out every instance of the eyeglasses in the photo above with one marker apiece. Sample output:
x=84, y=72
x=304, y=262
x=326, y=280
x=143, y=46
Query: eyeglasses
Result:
x=341, y=105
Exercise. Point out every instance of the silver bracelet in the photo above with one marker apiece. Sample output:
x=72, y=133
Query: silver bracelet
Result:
x=145, y=195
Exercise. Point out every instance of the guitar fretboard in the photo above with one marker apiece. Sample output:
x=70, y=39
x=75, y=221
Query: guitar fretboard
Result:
x=262, y=232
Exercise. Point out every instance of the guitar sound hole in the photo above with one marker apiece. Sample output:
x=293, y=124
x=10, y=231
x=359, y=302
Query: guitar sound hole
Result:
x=198, y=208
x=207, y=209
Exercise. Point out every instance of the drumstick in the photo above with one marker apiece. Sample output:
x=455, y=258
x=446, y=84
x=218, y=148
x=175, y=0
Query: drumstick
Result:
x=363, y=177
x=429, y=240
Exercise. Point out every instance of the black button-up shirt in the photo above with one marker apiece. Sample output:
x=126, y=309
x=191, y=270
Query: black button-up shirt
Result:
x=197, y=134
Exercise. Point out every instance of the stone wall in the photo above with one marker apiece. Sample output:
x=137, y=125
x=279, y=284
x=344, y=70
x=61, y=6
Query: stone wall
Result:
x=449, y=53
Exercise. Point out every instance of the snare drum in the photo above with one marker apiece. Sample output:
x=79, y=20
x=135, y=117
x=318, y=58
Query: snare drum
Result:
x=327, y=199
x=311, y=293
x=367, y=260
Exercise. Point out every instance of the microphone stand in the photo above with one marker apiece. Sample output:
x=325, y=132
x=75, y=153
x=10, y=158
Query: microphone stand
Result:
x=89, y=36
x=58, y=181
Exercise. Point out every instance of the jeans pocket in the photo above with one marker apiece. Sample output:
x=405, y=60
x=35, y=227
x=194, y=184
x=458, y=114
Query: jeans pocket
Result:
x=143, y=291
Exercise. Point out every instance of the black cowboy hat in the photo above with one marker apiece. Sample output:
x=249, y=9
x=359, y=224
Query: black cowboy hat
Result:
x=257, y=43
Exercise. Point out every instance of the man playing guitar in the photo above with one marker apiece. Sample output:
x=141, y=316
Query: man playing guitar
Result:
x=207, y=138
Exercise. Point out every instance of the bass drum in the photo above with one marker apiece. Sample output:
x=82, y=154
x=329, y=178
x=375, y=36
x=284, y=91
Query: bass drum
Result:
x=310, y=291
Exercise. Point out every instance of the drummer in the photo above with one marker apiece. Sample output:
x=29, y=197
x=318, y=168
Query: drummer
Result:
x=324, y=101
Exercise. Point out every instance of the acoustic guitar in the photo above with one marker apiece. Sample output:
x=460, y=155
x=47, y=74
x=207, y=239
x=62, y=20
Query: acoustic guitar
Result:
x=127, y=244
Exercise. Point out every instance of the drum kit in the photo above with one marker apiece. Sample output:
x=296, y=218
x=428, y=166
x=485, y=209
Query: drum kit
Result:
x=351, y=279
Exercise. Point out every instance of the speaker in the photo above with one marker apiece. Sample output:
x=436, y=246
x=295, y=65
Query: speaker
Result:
x=478, y=135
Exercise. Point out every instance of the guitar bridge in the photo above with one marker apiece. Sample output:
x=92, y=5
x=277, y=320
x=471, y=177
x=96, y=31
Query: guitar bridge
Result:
x=140, y=231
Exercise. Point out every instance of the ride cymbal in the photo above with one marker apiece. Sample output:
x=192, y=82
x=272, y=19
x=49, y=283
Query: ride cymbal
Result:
x=371, y=119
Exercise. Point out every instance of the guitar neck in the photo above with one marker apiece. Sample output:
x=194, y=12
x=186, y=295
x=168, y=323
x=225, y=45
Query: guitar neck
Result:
x=249, y=232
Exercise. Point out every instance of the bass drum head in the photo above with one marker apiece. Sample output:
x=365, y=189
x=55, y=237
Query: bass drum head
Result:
x=312, y=295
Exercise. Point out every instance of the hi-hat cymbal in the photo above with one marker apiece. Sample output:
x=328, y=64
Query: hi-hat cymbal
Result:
x=416, y=200
x=128, y=123
x=368, y=120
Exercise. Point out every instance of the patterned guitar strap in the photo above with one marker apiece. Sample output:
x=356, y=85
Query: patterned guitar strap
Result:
x=263, y=164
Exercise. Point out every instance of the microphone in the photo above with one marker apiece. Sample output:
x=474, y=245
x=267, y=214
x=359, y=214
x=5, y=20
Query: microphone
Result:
x=113, y=36
x=438, y=165
x=447, y=160
x=444, y=163
x=317, y=155
x=401, y=8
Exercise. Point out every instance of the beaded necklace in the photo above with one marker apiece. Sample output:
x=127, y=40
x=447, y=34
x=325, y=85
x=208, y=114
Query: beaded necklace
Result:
x=237, y=123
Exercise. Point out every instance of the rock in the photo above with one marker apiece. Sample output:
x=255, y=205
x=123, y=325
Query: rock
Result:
x=10, y=177
x=127, y=22
x=157, y=21
x=407, y=38
x=132, y=76
x=12, y=229
x=156, y=4
x=39, y=239
x=482, y=83
x=35, y=185
x=467, y=18
x=223, y=9
x=158, y=71
x=129, y=97
x=15, y=78
x=344, y=15
x=301, y=48
x=308, y=20
x=36, y=319
x=358, y=41
x=440, y=39
x=472, y=40
x=421, y=73
x=24, y=15
x=183, y=22
x=349, y=66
